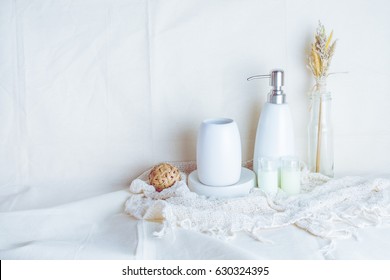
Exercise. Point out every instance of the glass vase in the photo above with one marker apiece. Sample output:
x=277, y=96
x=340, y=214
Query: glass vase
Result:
x=320, y=131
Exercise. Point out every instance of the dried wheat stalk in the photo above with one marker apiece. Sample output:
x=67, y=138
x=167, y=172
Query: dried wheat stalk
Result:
x=319, y=58
x=321, y=53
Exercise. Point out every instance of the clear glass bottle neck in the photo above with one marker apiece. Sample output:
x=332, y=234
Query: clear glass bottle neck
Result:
x=320, y=84
x=320, y=89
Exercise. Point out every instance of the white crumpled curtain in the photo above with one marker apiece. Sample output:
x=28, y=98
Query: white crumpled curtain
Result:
x=94, y=92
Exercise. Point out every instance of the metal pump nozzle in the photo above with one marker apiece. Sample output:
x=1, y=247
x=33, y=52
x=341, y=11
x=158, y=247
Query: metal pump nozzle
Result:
x=276, y=96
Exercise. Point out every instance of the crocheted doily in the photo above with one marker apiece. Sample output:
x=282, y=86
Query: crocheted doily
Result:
x=328, y=208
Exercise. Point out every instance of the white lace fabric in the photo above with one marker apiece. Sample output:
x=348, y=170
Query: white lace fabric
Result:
x=328, y=208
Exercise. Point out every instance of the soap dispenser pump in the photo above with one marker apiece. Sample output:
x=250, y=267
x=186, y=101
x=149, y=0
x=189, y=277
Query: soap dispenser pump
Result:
x=275, y=133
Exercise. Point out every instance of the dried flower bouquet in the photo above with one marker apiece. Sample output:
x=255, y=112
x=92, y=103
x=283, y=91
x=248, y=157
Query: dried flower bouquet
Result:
x=319, y=59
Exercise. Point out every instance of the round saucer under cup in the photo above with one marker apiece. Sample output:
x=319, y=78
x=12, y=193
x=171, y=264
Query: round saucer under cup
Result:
x=242, y=188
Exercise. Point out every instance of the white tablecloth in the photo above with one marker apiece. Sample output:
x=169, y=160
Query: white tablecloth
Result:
x=97, y=228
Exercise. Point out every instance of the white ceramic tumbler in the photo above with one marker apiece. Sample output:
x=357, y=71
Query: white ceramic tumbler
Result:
x=218, y=153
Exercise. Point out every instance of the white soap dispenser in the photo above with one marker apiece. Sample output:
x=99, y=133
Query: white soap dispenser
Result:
x=275, y=134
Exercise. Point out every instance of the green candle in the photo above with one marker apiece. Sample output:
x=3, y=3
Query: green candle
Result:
x=267, y=174
x=290, y=181
x=268, y=181
x=290, y=175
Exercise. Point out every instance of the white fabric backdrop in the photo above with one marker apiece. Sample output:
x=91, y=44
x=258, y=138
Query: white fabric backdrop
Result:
x=93, y=92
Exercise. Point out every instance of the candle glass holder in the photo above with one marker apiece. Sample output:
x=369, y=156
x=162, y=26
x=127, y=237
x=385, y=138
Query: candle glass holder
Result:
x=268, y=175
x=290, y=175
